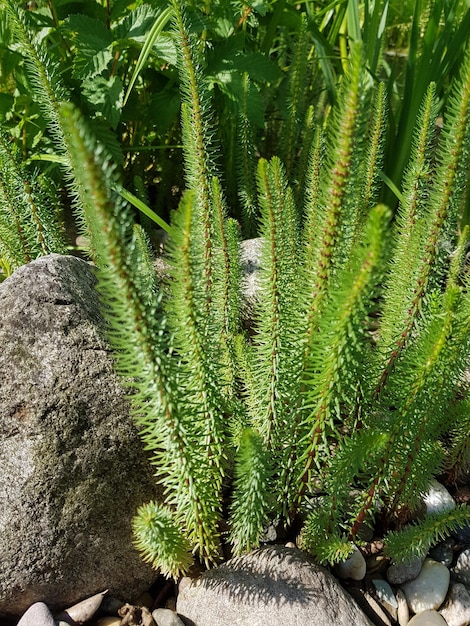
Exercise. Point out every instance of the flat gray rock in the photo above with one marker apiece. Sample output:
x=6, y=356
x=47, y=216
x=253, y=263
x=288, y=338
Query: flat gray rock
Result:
x=72, y=468
x=275, y=585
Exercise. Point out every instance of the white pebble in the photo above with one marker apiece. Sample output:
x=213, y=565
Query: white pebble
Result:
x=403, y=612
x=165, y=617
x=438, y=499
x=427, y=618
x=429, y=589
x=384, y=592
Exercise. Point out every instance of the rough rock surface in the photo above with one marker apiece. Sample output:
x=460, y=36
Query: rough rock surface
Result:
x=456, y=610
x=250, y=257
x=274, y=585
x=72, y=469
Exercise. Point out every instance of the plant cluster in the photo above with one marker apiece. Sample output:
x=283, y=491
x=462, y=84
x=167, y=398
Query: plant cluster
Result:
x=348, y=393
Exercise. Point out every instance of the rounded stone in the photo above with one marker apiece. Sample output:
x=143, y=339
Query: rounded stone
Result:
x=456, y=610
x=354, y=567
x=403, y=612
x=462, y=534
x=72, y=466
x=37, y=615
x=461, y=570
x=427, y=618
x=384, y=592
x=403, y=572
x=165, y=617
x=274, y=585
x=438, y=499
x=429, y=589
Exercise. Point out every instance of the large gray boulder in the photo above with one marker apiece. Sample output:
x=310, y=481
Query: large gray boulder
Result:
x=72, y=468
x=275, y=585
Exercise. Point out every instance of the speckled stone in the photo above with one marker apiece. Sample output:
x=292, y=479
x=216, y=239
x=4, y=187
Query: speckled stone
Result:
x=461, y=570
x=402, y=573
x=462, y=534
x=67, y=439
x=456, y=610
x=429, y=589
x=273, y=586
x=37, y=615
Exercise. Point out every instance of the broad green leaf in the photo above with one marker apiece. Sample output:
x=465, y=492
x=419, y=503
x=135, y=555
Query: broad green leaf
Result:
x=105, y=96
x=164, y=48
x=93, y=43
x=137, y=24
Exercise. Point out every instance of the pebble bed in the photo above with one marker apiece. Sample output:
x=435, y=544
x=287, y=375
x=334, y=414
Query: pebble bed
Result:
x=425, y=592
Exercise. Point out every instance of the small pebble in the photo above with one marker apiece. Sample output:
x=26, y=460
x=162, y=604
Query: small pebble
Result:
x=354, y=567
x=398, y=574
x=427, y=618
x=438, y=499
x=461, y=570
x=429, y=589
x=384, y=592
x=456, y=610
x=38, y=614
x=379, y=611
x=165, y=617
x=83, y=611
x=403, y=612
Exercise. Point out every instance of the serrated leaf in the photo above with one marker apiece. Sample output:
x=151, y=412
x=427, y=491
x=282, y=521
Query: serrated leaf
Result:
x=137, y=23
x=105, y=95
x=165, y=49
x=93, y=43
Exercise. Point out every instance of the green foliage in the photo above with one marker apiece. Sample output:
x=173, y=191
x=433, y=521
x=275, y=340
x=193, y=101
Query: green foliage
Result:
x=160, y=540
x=416, y=539
x=29, y=225
x=346, y=394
